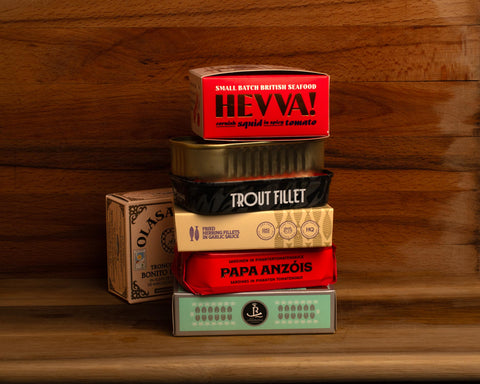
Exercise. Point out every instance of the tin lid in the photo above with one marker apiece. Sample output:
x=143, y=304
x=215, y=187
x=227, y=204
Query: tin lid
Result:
x=199, y=159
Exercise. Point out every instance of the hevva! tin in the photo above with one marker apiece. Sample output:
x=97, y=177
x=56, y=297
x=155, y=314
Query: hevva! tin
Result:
x=258, y=101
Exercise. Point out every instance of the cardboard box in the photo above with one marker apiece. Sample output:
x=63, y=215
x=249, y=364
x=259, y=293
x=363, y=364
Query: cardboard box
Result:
x=258, y=101
x=140, y=244
x=291, y=228
x=263, y=312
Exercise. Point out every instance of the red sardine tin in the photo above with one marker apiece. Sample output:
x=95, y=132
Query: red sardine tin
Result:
x=207, y=273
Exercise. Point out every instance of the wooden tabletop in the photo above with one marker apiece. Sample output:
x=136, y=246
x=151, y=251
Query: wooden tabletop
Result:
x=92, y=90
x=61, y=330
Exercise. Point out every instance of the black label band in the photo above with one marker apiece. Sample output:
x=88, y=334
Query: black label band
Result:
x=252, y=195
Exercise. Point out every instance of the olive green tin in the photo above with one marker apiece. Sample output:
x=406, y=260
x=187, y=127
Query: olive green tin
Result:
x=195, y=158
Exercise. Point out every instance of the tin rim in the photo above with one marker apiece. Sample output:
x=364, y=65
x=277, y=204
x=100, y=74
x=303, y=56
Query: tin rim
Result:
x=196, y=158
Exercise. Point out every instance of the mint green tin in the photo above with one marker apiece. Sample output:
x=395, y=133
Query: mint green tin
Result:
x=287, y=311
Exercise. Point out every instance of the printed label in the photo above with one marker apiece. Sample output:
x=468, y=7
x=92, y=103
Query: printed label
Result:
x=139, y=259
x=261, y=198
x=265, y=106
x=295, y=228
x=152, y=230
x=219, y=272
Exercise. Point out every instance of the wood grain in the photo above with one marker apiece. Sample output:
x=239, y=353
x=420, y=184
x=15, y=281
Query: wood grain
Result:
x=371, y=366
x=89, y=291
x=163, y=55
x=417, y=231
x=246, y=14
x=346, y=182
x=423, y=221
x=396, y=153
x=62, y=112
x=91, y=91
x=426, y=153
x=126, y=155
x=424, y=331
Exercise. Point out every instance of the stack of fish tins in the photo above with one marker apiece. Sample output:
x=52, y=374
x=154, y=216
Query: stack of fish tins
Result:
x=252, y=221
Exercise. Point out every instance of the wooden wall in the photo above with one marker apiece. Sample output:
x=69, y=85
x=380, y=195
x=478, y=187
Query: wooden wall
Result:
x=90, y=91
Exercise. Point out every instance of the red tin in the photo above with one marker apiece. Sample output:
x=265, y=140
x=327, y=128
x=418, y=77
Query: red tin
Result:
x=217, y=272
x=259, y=102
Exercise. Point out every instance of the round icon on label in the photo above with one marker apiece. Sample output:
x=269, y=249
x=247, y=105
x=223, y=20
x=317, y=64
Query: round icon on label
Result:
x=265, y=230
x=310, y=229
x=168, y=240
x=254, y=313
x=287, y=230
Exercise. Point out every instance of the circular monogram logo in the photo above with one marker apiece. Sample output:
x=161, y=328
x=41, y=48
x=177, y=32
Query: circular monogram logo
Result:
x=254, y=313
x=265, y=230
x=310, y=229
x=288, y=230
